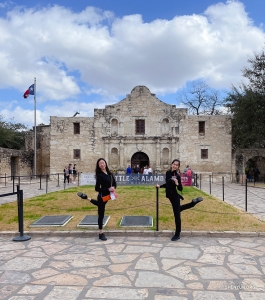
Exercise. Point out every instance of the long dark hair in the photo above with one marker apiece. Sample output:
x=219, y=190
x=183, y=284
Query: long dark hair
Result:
x=174, y=160
x=98, y=170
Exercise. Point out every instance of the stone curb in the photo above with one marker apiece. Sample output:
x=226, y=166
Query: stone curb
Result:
x=139, y=233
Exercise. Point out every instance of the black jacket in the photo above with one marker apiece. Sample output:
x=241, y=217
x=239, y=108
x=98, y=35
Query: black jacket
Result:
x=103, y=183
x=170, y=186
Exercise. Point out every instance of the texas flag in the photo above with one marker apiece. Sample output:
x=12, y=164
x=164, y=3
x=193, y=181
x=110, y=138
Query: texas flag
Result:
x=29, y=91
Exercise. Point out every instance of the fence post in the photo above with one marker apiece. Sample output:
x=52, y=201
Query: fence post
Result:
x=47, y=176
x=40, y=182
x=5, y=179
x=210, y=184
x=21, y=237
x=246, y=196
x=13, y=179
x=200, y=181
x=78, y=178
x=58, y=180
x=223, y=188
x=157, y=208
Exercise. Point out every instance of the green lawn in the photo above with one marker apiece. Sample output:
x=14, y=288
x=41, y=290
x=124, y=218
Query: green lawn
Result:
x=210, y=215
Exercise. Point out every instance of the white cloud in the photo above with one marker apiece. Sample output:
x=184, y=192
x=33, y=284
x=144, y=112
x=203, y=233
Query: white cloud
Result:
x=66, y=109
x=53, y=43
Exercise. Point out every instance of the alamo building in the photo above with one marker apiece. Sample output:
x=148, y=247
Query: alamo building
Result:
x=140, y=129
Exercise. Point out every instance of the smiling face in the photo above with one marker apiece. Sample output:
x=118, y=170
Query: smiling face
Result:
x=102, y=165
x=175, y=166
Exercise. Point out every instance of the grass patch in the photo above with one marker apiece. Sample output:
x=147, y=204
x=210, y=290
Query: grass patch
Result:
x=210, y=215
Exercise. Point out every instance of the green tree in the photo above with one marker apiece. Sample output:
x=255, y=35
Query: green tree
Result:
x=12, y=134
x=247, y=106
x=256, y=73
x=248, y=117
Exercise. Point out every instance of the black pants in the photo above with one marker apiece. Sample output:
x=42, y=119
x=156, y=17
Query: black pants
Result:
x=101, y=210
x=177, y=209
x=66, y=178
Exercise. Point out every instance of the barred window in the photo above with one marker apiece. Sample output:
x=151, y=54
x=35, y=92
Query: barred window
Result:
x=76, y=128
x=77, y=153
x=202, y=127
x=204, y=153
x=139, y=126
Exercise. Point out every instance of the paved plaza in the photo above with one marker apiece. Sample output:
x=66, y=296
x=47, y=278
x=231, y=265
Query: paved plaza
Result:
x=137, y=265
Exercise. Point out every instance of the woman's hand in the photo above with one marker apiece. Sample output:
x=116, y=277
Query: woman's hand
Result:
x=157, y=185
x=111, y=189
x=176, y=181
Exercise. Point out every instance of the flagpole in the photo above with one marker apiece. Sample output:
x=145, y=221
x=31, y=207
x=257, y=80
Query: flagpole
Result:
x=35, y=134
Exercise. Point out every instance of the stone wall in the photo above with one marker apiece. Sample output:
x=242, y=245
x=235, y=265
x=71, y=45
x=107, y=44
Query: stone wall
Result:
x=216, y=139
x=42, y=148
x=169, y=133
x=15, y=162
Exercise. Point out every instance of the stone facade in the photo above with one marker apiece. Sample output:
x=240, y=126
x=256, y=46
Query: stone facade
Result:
x=140, y=129
x=15, y=162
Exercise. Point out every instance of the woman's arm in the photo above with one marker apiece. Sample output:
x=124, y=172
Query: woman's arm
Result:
x=179, y=186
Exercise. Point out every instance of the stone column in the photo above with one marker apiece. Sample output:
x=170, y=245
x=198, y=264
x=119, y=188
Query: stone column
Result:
x=158, y=154
x=173, y=149
x=107, y=150
x=121, y=154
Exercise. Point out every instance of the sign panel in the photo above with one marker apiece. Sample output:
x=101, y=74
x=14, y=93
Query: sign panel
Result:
x=134, y=179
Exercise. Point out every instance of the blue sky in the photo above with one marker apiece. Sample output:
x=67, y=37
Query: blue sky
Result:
x=88, y=54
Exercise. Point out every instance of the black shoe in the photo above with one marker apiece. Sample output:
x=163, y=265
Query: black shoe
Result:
x=102, y=237
x=197, y=200
x=81, y=195
x=175, y=238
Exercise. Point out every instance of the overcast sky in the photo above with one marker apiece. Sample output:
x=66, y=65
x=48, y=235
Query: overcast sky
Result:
x=87, y=54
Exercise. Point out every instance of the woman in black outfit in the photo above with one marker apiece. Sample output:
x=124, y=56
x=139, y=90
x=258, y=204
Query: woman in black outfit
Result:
x=173, y=182
x=105, y=183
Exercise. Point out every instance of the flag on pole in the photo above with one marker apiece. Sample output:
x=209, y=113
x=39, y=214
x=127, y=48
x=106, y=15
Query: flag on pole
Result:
x=29, y=91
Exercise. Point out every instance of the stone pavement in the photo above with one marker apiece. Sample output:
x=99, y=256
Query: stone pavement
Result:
x=133, y=267
x=137, y=265
x=235, y=194
x=32, y=189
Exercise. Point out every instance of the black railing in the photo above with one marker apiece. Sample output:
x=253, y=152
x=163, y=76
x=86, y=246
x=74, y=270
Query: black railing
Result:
x=19, y=193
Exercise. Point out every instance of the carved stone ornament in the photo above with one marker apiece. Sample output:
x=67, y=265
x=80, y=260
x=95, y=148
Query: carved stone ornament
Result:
x=139, y=147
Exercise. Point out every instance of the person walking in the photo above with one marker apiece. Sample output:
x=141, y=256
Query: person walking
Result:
x=70, y=169
x=105, y=184
x=74, y=173
x=66, y=174
x=173, y=183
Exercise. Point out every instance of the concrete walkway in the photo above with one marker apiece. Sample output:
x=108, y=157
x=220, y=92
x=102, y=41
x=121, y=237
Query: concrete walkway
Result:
x=136, y=265
x=235, y=194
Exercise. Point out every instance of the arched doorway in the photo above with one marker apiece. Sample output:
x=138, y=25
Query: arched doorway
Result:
x=141, y=159
x=255, y=162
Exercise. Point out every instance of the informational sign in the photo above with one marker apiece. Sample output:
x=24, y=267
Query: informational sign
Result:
x=186, y=180
x=134, y=179
x=87, y=179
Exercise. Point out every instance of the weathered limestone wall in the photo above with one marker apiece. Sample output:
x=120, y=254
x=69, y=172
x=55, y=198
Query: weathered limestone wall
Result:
x=116, y=126
x=217, y=139
x=15, y=162
x=63, y=141
x=42, y=148
x=169, y=133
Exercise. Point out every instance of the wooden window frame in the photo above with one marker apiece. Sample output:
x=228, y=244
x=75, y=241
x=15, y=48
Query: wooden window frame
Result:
x=140, y=126
x=77, y=153
x=204, y=153
x=201, y=127
x=76, y=128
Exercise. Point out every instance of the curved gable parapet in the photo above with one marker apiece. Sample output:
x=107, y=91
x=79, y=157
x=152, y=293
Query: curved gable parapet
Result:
x=141, y=90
